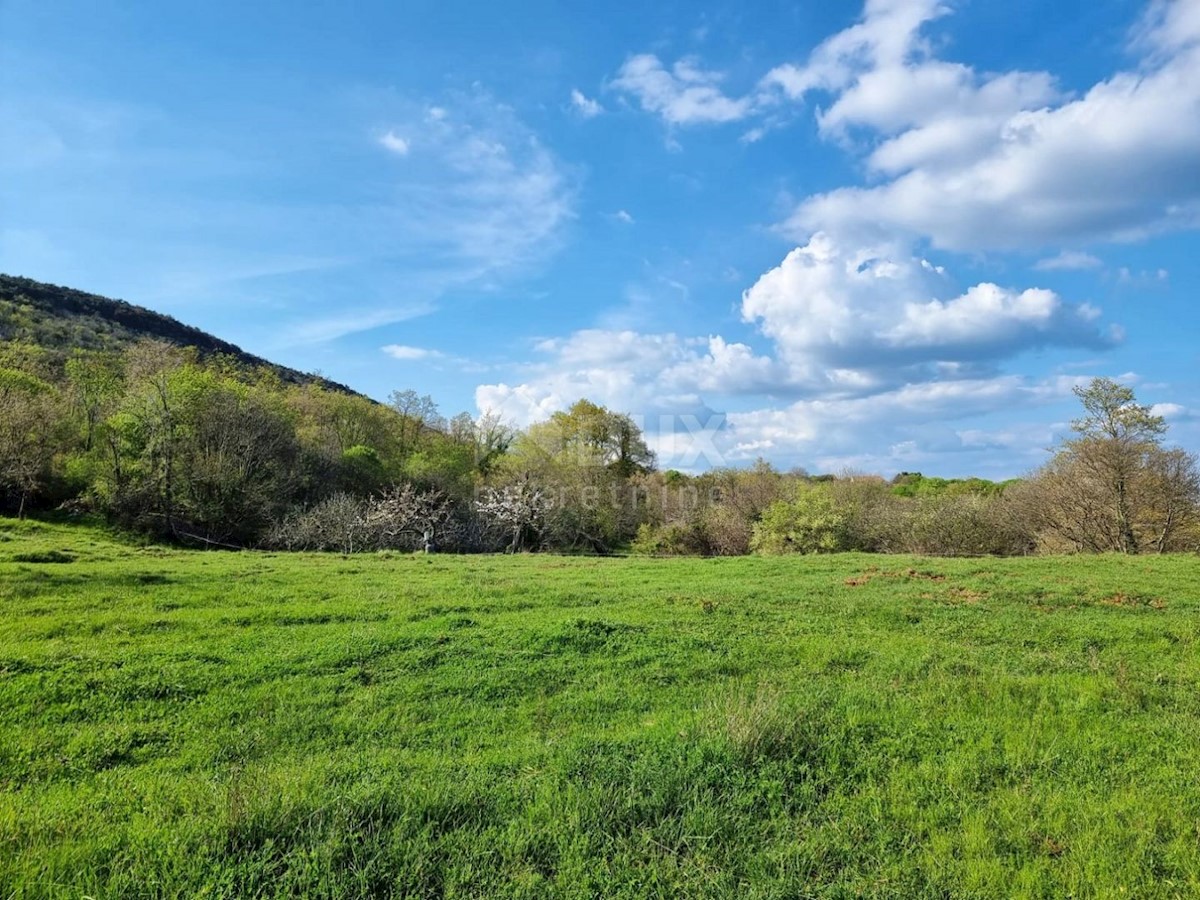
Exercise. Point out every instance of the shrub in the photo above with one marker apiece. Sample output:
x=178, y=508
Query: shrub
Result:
x=810, y=522
x=669, y=540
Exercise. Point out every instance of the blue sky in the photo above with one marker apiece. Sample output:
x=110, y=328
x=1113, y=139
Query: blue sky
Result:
x=884, y=237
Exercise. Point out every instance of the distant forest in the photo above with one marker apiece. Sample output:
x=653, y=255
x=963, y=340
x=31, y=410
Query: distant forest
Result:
x=111, y=410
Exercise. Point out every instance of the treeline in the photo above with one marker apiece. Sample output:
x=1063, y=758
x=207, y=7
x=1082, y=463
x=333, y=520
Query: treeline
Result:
x=211, y=451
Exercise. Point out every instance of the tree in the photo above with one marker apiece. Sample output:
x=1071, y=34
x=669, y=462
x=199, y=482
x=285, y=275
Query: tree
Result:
x=148, y=425
x=237, y=455
x=518, y=509
x=1114, y=487
x=1116, y=437
x=403, y=514
x=417, y=413
x=599, y=435
x=582, y=460
x=29, y=421
x=96, y=384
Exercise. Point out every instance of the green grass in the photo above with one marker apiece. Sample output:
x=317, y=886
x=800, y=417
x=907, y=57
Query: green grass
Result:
x=184, y=724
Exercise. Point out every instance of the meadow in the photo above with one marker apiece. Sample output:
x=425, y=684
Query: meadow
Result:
x=186, y=724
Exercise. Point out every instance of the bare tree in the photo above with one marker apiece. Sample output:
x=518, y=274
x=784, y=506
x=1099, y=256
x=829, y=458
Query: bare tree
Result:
x=403, y=512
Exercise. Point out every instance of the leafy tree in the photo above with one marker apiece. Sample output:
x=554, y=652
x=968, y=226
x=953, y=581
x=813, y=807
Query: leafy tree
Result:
x=361, y=471
x=96, y=382
x=599, y=436
x=30, y=420
x=237, y=458
x=418, y=412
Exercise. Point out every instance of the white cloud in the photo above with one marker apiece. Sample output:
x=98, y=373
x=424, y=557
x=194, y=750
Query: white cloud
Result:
x=876, y=345
x=872, y=312
x=885, y=36
x=630, y=371
x=1068, y=260
x=1143, y=278
x=913, y=421
x=674, y=385
x=981, y=162
x=395, y=143
x=410, y=354
x=685, y=94
x=1171, y=411
x=974, y=161
x=585, y=106
x=622, y=215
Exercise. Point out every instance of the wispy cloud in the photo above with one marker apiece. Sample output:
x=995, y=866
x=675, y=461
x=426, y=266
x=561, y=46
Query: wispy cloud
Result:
x=685, y=94
x=405, y=353
x=1067, y=261
x=585, y=106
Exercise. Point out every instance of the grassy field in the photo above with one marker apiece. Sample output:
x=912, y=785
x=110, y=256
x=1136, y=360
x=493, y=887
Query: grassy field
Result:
x=184, y=724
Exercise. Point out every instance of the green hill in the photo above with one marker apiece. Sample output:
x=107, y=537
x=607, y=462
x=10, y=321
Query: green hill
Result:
x=61, y=319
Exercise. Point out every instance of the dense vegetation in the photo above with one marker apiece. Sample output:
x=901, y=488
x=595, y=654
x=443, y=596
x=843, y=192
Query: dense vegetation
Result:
x=62, y=320
x=212, y=447
x=184, y=724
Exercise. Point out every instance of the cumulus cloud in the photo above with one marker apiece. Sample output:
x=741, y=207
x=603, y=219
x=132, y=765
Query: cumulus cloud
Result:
x=633, y=372
x=1006, y=161
x=685, y=94
x=874, y=341
x=971, y=160
x=675, y=387
x=838, y=307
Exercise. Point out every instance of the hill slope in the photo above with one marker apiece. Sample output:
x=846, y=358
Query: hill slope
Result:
x=63, y=319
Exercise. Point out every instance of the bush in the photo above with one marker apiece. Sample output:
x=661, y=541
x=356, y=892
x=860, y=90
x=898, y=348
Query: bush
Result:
x=669, y=540
x=948, y=524
x=810, y=522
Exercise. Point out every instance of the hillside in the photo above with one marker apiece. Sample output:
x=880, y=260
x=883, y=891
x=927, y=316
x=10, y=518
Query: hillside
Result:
x=63, y=319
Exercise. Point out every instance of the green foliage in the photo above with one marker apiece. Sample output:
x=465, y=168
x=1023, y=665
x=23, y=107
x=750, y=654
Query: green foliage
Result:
x=187, y=724
x=361, y=471
x=669, y=540
x=1112, y=412
x=59, y=322
x=914, y=484
x=809, y=522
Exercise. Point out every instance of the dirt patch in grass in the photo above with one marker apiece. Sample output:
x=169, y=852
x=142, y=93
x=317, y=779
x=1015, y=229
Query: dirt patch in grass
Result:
x=1120, y=598
x=904, y=574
